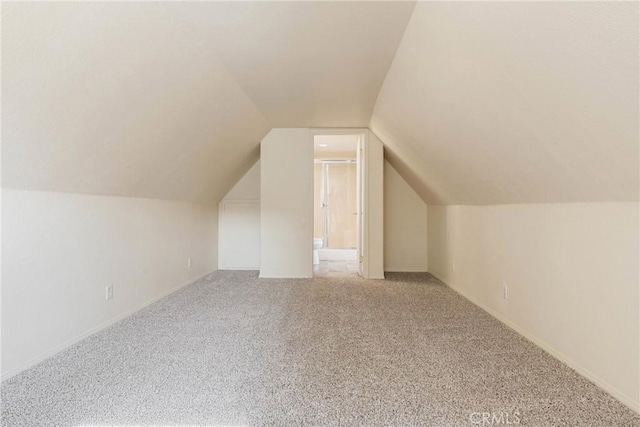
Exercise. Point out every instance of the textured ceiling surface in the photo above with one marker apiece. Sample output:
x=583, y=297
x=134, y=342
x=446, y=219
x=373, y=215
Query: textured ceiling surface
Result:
x=515, y=102
x=476, y=102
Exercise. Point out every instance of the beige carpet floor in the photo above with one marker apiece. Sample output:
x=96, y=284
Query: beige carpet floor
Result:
x=233, y=349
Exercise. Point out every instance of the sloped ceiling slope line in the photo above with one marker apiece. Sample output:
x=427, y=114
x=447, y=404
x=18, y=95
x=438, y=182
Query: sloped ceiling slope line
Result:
x=171, y=100
x=515, y=102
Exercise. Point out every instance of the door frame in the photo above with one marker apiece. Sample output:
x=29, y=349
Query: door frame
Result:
x=363, y=187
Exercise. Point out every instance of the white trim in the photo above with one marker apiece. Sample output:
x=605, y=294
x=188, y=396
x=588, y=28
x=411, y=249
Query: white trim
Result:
x=57, y=349
x=613, y=391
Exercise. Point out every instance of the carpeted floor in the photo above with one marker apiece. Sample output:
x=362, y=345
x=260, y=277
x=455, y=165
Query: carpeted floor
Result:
x=233, y=349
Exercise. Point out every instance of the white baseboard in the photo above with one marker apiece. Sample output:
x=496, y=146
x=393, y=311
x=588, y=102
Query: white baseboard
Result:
x=52, y=352
x=613, y=391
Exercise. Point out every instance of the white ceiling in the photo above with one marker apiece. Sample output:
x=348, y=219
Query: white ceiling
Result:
x=477, y=102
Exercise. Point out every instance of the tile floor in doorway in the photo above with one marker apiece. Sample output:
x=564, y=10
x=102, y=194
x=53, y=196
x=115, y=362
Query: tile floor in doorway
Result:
x=341, y=268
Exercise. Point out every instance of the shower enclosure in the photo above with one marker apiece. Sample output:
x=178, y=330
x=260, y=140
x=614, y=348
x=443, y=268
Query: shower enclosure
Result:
x=335, y=203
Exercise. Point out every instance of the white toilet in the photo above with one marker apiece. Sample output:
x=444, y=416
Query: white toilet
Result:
x=317, y=244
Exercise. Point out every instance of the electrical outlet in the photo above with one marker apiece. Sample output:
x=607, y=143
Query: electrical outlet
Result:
x=505, y=291
x=109, y=293
x=189, y=262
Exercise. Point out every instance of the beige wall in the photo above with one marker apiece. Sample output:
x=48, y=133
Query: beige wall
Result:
x=572, y=277
x=405, y=225
x=286, y=203
x=247, y=187
x=239, y=224
x=373, y=200
x=60, y=250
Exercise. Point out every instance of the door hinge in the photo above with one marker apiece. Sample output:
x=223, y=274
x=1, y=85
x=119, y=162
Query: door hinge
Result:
x=361, y=258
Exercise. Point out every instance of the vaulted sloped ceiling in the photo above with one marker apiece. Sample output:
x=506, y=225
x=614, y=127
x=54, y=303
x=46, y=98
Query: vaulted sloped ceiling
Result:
x=515, y=102
x=305, y=64
x=171, y=100
x=118, y=99
x=476, y=102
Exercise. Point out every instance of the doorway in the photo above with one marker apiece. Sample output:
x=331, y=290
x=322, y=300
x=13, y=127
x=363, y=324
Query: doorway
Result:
x=336, y=220
x=336, y=217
